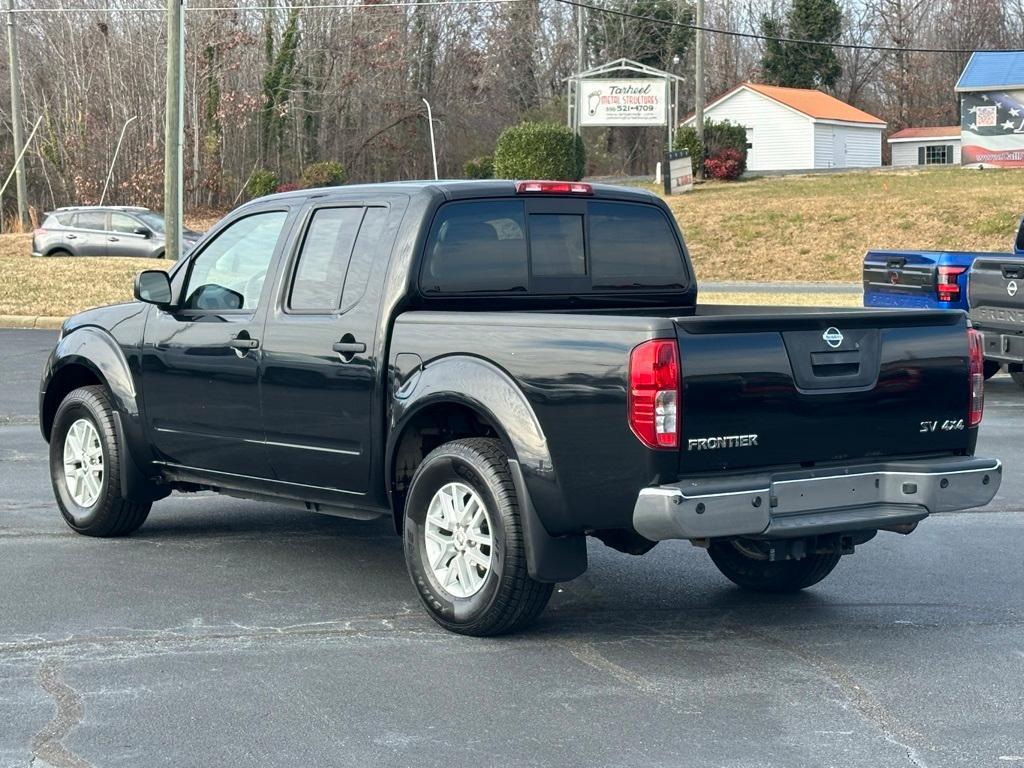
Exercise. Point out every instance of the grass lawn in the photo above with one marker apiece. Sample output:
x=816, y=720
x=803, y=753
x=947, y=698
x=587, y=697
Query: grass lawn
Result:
x=817, y=227
x=814, y=227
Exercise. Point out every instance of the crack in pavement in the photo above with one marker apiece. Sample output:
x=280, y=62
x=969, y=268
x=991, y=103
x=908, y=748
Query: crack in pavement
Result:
x=893, y=731
x=48, y=744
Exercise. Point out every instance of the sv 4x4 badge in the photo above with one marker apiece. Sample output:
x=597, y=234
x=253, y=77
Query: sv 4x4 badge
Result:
x=949, y=425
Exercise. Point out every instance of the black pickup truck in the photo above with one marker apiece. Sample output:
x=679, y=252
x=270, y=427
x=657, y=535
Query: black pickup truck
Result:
x=995, y=289
x=506, y=369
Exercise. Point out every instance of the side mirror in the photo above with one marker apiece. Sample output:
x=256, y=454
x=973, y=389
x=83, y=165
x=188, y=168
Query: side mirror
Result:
x=153, y=286
x=143, y=231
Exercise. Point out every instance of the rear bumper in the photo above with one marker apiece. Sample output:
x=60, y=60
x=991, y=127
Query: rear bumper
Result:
x=1006, y=347
x=812, y=502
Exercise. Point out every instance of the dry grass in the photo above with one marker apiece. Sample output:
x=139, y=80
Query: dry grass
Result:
x=62, y=286
x=817, y=227
x=783, y=299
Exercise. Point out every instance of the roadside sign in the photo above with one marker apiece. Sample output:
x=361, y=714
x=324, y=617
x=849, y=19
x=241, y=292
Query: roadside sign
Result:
x=628, y=101
x=678, y=174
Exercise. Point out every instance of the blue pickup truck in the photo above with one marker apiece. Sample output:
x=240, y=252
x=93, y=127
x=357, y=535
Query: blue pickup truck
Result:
x=922, y=279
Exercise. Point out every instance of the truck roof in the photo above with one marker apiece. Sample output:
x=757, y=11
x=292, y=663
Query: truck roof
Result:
x=455, y=189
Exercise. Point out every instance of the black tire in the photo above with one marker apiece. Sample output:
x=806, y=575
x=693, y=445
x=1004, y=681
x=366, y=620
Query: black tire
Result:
x=508, y=598
x=746, y=565
x=992, y=368
x=110, y=514
x=161, y=255
x=59, y=253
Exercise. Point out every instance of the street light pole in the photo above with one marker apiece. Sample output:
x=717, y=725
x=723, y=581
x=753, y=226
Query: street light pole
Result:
x=117, y=151
x=173, y=128
x=433, y=148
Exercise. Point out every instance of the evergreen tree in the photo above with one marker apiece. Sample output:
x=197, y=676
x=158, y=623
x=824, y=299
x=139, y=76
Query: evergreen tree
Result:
x=803, y=65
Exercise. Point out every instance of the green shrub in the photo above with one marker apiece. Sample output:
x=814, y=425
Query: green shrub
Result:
x=325, y=174
x=480, y=168
x=686, y=138
x=539, y=151
x=262, y=182
x=718, y=137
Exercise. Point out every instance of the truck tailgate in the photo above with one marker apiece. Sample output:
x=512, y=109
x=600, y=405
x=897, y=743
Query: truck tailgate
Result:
x=807, y=387
x=997, y=305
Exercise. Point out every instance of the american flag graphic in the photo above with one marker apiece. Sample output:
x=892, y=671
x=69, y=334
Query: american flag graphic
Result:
x=992, y=128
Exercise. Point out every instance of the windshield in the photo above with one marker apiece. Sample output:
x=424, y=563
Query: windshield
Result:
x=153, y=220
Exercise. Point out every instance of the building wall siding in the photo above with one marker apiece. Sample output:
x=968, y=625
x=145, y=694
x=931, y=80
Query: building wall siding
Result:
x=842, y=146
x=782, y=139
x=906, y=152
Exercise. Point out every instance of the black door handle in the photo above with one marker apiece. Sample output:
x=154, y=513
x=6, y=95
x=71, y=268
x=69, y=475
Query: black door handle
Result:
x=114, y=239
x=348, y=347
x=896, y=263
x=72, y=237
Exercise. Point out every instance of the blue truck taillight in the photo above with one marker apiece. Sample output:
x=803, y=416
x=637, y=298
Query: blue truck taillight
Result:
x=948, y=287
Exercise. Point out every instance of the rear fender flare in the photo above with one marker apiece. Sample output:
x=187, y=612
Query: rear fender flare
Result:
x=497, y=399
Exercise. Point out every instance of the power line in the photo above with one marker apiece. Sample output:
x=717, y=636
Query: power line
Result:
x=575, y=3
x=755, y=36
x=297, y=6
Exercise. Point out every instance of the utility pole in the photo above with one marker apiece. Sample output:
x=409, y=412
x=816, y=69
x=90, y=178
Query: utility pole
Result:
x=173, y=128
x=19, y=138
x=698, y=77
x=433, y=147
x=581, y=64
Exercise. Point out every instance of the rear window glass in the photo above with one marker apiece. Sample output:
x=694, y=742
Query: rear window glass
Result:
x=91, y=220
x=324, y=258
x=632, y=246
x=478, y=246
x=494, y=246
x=556, y=245
x=58, y=220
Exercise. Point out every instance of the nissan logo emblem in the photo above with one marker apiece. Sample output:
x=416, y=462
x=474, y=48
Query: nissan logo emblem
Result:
x=1011, y=287
x=833, y=337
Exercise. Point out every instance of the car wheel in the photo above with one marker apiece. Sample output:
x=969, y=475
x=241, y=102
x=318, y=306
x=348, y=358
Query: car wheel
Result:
x=85, y=467
x=745, y=563
x=161, y=255
x=992, y=368
x=464, y=543
x=59, y=253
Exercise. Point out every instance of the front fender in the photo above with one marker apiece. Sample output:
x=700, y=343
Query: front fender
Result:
x=94, y=349
x=494, y=396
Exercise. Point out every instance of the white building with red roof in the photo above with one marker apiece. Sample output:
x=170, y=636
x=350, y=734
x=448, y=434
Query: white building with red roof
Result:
x=926, y=146
x=799, y=128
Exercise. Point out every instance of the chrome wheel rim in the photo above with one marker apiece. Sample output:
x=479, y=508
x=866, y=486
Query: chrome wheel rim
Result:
x=458, y=538
x=83, y=463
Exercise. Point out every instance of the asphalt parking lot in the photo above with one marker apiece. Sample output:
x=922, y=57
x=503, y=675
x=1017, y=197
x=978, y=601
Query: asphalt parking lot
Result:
x=236, y=633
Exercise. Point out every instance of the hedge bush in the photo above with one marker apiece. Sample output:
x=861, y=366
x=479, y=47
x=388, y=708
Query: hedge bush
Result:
x=727, y=165
x=325, y=174
x=718, y=137
x=480, y=168
x=539, y=151
x=262, y=182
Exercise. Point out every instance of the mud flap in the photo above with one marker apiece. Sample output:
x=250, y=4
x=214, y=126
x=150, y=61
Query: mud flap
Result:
x=548, y=558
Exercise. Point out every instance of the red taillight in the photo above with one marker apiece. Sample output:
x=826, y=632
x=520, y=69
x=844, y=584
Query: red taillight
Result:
x=948, y=288
x=554, y=187
x=976, y=369
x=653, y=399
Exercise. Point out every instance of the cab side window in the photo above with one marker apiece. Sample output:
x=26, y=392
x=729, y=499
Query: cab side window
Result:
x=324, y=259
x=230, y=271
x=96, y=220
